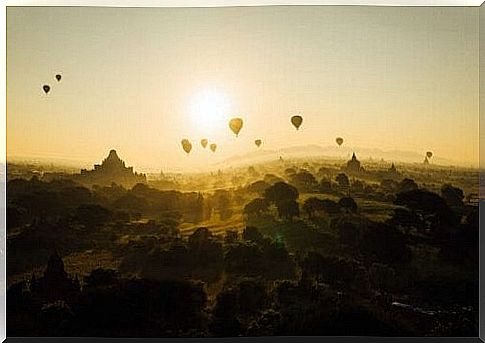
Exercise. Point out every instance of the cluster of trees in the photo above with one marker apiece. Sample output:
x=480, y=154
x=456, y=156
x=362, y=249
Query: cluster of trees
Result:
x=203, y=256
x=319, y=266
x=280, y=195
x=107, y=305
x=30, y=200
x=61, y=214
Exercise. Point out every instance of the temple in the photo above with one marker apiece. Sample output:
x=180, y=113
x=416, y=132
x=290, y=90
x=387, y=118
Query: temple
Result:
x=55, y=285
x=112, y=169
x=393, y=170
x=354, y=165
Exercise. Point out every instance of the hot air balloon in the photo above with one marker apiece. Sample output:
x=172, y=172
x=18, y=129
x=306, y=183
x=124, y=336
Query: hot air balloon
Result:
x=203, y=142
x=213, y=147
x=339, y=140
x=46, y=88
x=296, y=121
x=58, y=77
x=236, y=124
x=186, y=145
x=429, y=154
x=257, y=142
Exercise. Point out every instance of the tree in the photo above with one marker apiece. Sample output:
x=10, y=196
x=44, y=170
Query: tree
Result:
x=325, y=186
x=251, y=296
x=131, y=202
x=332, y=270
x=203, y=249
x=452, y=195
x=330, y=207
x=288, y=209
x=100, y=278
x=430, y=206
x=93, y=215
x=304, y=181
x=245, y=258
x=15, y=216
x=252, y=233
x=258, y=187
x=200, y=236
x=384, y=243
x=142, y=190
x=272, y=179
x=358, y=186
x=75, y=196
x=407, y=185
x=225, y=322
x=280, y=192
x=256, y=207
x=406, y=219
x=343, y=180
x=349, y=233
x=348, y=204
x=323, y=171
x=389, y=185
x=382, y=276
x=222, y=201
x=312, y=205
x=230, y=237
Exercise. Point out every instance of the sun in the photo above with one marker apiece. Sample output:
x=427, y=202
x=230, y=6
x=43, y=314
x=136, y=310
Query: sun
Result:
x=209, y=110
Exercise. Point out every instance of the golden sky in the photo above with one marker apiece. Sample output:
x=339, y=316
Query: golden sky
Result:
x=141, y=79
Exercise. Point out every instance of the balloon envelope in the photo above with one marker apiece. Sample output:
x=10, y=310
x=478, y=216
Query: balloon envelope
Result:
x=296, y=121
x=58, y=77
x=236, y=124
x=186, y=145
x=46, y=88
x=339, y=140
x=429, y=154
x=257, y=142
x=213, y=147
x=203, y=142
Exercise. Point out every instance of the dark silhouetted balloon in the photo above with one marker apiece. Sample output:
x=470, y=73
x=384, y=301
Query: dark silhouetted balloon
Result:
x=339, y=140
x=46, y=88
x=186, y=145
x=296, y=121
x=429, y=154
x=58, y=77
x=213, y=147
x=258, y=142
x=236, y=124
x=203, y=142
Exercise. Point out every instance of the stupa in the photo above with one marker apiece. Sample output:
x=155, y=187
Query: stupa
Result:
x=354, y=165
x=111, y=170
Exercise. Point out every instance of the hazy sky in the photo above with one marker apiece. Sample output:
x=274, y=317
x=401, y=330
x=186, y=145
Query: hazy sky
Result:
x=139, y=80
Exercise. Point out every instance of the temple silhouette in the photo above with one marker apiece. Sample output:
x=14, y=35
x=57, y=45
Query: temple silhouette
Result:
x=353, y=165
x=112, y=169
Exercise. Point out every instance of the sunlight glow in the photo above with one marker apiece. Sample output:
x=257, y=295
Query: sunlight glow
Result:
x=209, y=110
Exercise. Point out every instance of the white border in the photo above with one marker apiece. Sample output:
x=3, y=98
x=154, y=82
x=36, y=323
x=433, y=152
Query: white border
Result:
x=149, y=3
x=217, y=3
x=3, y=179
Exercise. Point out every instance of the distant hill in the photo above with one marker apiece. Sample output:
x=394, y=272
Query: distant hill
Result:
x=334, y=152
x=58, y=162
